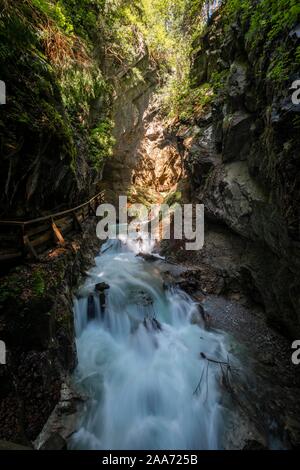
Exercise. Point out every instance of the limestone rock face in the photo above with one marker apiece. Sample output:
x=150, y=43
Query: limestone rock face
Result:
x=237, y=83
x=129, y=108
x=146, y=159
x=159, y=163
x=237, y=136
x=243, y=165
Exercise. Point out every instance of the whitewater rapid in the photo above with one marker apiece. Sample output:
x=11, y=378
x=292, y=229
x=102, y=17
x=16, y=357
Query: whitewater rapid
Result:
x=142, y=362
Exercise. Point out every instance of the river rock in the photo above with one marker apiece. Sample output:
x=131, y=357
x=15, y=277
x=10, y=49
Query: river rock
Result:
x=102, y=286
x=200, y=316
x=63, y=421
x=140, y=297
x=55, y=442
x=148, y=257
x=151, y=324
x=292, y=427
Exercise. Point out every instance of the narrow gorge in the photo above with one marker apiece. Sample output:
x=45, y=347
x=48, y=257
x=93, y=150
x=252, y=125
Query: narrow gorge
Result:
x=141, y=344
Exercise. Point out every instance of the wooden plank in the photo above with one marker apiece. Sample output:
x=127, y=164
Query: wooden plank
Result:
x=65, y=229
x=48, y=236
x=92, y=210
x=29, y=247
x=10, y=256
x=66, y=221
x=42, y=234
x=50, y=216
x=57, y=234
x=37, y=230
x=77, y=222
x=79, y=216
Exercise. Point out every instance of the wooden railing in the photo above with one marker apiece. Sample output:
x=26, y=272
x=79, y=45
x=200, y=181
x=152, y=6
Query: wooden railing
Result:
x=31, y=237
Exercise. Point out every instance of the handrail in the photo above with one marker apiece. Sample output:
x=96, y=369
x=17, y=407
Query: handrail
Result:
x=50, y=216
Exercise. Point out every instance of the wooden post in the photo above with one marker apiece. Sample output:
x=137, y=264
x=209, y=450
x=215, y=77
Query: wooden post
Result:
x=57, y=234
x=29, y=248
x=26, y=246
x=91, y=210
x=40, y=235
x=77, y=223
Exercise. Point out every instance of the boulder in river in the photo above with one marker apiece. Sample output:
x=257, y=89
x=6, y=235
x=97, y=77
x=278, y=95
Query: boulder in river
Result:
x=148, y=257
x=151, y=324
x=141, y=297
x=101, y=288
x=199, y=316
x=55, y=442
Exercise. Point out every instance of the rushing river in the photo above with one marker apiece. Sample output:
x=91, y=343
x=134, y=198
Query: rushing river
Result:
x=140, y=361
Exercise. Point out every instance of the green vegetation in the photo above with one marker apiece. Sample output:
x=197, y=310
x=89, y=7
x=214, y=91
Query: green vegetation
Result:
x=143, y=196
x=38, y=283
x=63, y=59
x=54, y=56
x=187, y=102
x=173, y=198
x=268, y=24
x=170, y=28
x=101, y=143
x=20, y=283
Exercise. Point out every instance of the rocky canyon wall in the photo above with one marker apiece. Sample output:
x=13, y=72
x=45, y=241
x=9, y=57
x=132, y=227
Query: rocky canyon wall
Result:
x=242, y=158
x=146, y=161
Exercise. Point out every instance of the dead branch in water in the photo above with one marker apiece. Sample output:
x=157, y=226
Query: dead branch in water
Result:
x=226, y=369
x=214, y=361
x=198, y=388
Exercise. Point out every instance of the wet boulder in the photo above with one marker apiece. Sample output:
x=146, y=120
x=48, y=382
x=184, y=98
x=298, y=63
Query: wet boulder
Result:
x=147, y=257
x=141, y=298
x=189, y=285
x=55, y=442
x=101, y=288
x=151, y=324
x=200, y=317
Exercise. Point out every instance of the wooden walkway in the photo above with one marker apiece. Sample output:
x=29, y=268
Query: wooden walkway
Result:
x=20, y=239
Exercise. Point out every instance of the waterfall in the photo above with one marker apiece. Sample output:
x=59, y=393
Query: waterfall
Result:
x=142, y=360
